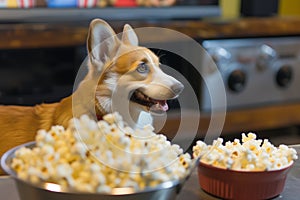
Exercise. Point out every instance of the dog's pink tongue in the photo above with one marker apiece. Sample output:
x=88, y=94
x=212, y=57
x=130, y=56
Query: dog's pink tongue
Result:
x=165, y=106
x=161, y=105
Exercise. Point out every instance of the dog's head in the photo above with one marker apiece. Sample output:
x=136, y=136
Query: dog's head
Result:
x=129, y=76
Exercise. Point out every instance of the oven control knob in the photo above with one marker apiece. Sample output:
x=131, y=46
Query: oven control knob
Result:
x=220, y=55
x=266, y=55
x=237, y=80
x=284, y=76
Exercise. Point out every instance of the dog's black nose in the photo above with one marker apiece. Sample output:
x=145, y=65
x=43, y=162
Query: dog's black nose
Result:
x=177, y=88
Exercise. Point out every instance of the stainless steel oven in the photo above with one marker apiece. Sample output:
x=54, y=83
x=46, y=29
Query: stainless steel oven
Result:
x=255, y=71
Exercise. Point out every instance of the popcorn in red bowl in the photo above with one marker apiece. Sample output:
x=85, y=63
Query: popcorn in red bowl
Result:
x=250, y=169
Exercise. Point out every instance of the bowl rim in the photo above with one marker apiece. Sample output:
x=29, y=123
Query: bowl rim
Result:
x=210, y=166
x=9, y=155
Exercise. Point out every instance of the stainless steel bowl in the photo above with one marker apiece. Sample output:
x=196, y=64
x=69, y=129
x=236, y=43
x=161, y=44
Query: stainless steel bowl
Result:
x=50, y=191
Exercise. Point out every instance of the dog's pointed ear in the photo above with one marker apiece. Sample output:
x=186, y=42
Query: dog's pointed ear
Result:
x=101, y=41
x=129, y=36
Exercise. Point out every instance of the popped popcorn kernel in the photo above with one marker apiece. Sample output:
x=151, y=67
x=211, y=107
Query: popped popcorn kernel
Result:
x=251, y=154
x=92, y=156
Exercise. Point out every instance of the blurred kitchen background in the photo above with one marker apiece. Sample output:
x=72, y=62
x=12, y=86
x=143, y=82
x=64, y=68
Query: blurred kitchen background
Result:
x=255, y=45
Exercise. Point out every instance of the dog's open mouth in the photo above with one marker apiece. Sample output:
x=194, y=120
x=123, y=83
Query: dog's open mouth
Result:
x=153, y=105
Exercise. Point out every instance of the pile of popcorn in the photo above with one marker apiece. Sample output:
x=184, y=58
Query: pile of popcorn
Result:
x=250, y=155
x=92, y=156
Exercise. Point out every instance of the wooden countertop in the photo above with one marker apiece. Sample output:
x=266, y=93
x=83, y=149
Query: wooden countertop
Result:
x=36, y=35
x=236, y=121
x=17, y=36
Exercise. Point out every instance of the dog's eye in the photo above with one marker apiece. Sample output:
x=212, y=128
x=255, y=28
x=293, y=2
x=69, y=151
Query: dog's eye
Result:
x=142, y=68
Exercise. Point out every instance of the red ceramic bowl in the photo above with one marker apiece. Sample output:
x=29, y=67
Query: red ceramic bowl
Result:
x=241, y=185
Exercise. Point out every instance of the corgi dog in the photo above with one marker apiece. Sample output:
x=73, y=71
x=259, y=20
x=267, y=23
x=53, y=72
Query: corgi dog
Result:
x=122, y=76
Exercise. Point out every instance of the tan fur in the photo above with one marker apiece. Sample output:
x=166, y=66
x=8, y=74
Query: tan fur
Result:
x=116, y=57
x=19, y=124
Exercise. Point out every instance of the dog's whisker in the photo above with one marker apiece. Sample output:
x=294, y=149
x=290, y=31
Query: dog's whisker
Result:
x=161, y=55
